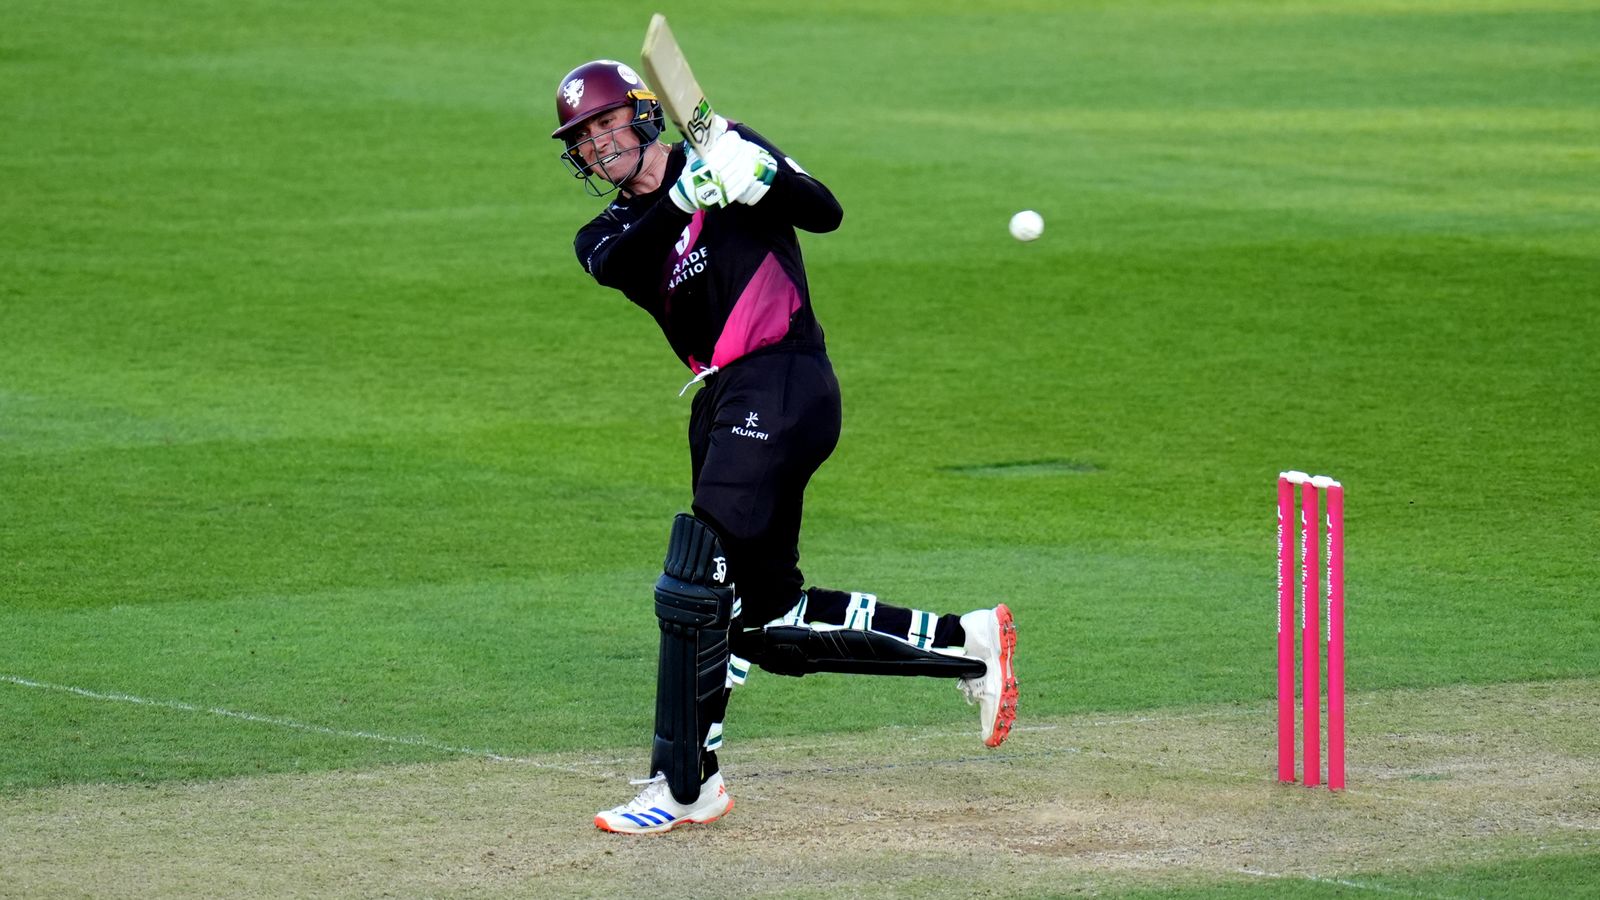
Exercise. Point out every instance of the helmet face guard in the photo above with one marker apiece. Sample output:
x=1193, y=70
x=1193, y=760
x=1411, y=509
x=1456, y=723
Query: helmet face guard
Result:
x=646, y=123
x=594, y=88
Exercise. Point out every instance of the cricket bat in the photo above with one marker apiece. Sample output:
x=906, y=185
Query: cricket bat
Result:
x=680, y=94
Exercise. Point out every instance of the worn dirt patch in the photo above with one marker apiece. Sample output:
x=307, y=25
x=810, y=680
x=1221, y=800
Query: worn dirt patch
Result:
x=1075, y=805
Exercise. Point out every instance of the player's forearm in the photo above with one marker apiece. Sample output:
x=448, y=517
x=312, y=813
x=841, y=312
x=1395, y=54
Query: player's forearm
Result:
x=637, y=252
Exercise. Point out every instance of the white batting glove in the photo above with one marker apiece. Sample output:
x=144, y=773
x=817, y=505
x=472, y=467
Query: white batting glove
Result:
x=699, y=187
x=746, y=168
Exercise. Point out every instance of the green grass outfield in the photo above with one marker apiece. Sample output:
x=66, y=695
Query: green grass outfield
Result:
x=319, y=452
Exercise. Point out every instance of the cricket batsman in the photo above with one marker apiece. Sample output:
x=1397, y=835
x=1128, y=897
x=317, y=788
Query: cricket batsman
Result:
x=707, y=247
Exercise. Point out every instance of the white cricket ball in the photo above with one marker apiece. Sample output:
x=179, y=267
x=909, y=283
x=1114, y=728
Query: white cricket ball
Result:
x=1027, y=225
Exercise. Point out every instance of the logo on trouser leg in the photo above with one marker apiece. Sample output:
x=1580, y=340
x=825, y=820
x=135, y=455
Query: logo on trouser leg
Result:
x=750, y=422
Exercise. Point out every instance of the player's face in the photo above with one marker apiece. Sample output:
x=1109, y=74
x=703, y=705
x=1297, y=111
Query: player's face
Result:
x=606, y=143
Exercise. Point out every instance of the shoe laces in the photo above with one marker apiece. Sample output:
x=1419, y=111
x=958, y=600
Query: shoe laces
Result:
x=971, y=688
x=651, y=795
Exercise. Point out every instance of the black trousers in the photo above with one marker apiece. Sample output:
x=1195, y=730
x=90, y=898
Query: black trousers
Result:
x=758, y=431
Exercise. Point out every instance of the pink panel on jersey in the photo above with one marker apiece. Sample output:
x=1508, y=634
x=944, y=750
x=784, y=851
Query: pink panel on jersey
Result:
x=761, y=316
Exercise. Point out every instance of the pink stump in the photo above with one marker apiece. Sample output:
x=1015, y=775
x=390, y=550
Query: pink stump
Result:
x=1311, y=687
x=1336, y=637
x=1285, y=629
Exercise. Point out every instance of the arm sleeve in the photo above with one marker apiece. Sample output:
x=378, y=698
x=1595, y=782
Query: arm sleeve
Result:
x=802, y=201
x=795, y=197
x=629, y=258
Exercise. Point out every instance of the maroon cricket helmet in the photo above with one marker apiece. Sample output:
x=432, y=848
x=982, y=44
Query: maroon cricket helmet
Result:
x=603, y=84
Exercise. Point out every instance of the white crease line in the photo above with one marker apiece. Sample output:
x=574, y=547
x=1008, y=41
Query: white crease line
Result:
x=1176, y=717
x=605, y=765
x=289, y=723
x=1343, y=882
x=602, y=765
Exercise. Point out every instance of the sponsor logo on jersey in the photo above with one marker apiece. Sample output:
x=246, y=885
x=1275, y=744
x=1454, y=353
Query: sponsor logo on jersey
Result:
x=688, y=267
x=687, y=260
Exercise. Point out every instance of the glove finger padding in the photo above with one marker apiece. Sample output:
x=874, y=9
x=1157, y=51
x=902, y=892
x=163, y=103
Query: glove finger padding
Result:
x=698, y=187
x=746, y=168
x=763, y=169
x=730, y=157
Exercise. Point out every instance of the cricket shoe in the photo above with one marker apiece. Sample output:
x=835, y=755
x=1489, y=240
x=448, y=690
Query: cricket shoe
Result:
x=655, y=809
x=992, y=637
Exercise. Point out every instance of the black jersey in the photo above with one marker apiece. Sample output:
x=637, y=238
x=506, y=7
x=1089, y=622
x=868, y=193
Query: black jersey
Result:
x=722, y=282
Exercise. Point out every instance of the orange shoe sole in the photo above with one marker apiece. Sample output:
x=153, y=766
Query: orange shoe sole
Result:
x=1006, y=715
